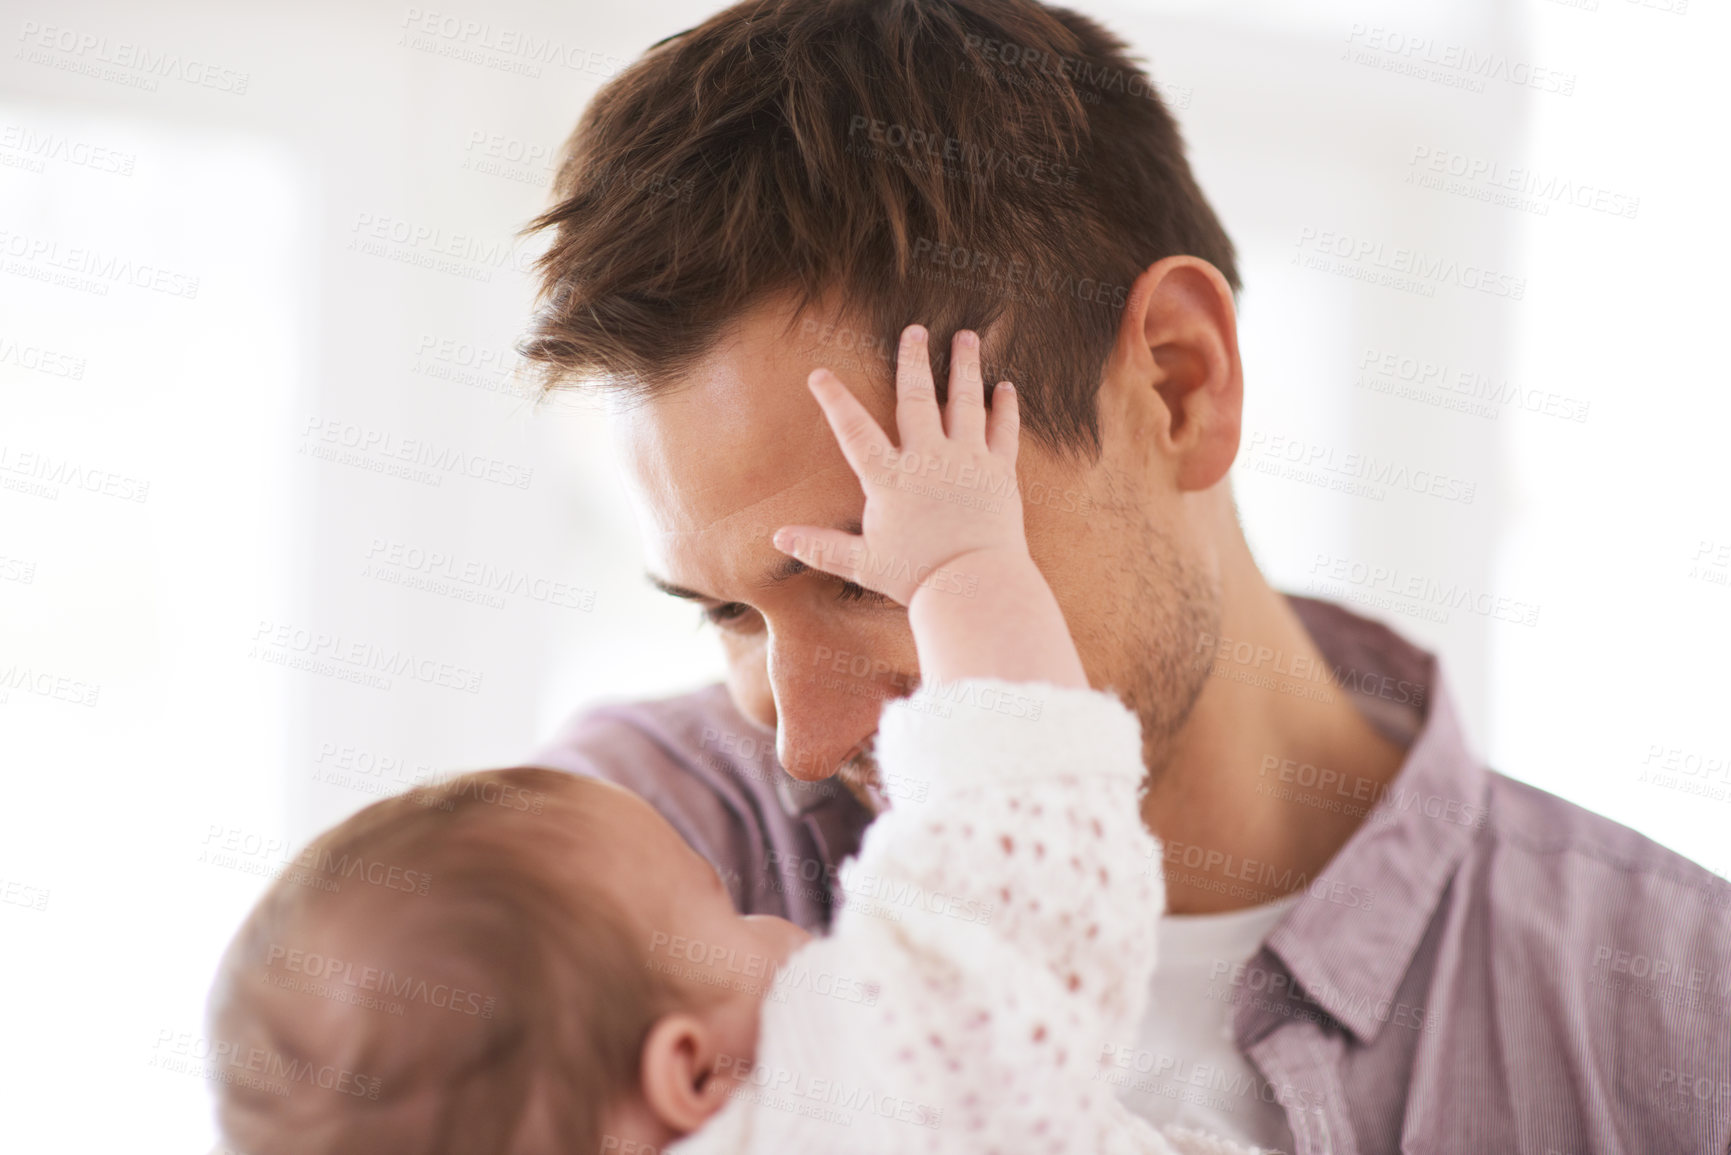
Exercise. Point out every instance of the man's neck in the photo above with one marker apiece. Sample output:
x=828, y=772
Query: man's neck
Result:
x=1238, y=803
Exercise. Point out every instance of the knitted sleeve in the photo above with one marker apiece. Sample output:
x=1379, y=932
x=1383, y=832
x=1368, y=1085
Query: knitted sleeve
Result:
x=999, y=929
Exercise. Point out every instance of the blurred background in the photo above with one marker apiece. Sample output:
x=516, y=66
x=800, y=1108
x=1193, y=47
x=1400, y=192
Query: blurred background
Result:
x=256, y=259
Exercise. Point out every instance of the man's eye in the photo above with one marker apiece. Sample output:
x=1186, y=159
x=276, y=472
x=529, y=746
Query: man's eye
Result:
x=725, y=612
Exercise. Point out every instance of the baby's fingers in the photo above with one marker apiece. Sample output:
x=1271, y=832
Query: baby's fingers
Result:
x=1003, y=427
x=917, y=418
x=965, y=419
x=856, y=431
x=829, y=550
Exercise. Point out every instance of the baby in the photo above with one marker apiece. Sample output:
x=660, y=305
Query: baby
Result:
x=573, y=978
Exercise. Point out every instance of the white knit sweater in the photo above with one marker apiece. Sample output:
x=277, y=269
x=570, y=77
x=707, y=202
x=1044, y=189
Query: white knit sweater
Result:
x=999, y=929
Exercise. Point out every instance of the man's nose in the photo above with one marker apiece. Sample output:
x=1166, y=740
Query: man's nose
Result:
x=826, y=704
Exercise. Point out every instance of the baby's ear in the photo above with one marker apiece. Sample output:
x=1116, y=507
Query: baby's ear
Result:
x=685, y=1077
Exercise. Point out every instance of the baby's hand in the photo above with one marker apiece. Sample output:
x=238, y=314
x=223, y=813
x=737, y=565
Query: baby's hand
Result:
x=945, y=498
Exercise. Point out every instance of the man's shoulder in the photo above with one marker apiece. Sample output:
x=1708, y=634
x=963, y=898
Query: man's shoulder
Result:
x=1569, y=846
x=694, y=758
x=1577, y=987
x=713, y=775
x=1578, y=894
x=651, y=743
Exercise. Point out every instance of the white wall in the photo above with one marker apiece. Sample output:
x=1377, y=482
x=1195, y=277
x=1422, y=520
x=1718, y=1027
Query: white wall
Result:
x=169, y=537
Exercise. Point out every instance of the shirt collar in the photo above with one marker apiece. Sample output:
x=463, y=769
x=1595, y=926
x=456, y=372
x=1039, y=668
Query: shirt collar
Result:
x=1350, y=941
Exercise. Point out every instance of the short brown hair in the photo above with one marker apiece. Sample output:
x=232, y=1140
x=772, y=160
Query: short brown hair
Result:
x=998, y=165
x=426, y=977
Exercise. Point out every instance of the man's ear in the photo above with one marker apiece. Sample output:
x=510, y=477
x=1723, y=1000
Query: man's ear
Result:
x=1174, y=377
x=685, y=1079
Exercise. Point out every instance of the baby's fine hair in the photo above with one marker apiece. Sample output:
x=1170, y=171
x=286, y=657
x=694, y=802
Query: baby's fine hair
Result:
x=441, y=973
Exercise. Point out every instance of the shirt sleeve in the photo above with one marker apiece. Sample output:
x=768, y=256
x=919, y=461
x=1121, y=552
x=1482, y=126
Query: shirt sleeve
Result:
x=999, y=924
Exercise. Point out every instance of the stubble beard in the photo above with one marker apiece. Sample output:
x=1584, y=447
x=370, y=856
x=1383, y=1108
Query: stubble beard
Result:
x=1156, y=635
x=1159, y=638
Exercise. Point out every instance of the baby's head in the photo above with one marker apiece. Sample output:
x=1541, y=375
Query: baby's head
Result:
x=483, y=968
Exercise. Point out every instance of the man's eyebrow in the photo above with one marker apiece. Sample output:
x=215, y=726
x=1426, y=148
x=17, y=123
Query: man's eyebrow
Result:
x=674, y=591
x=784, y=570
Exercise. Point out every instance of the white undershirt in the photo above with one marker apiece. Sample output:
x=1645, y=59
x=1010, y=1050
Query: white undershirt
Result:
x=1184, y=1068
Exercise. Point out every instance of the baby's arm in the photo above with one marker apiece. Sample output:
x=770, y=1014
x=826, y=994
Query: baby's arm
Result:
x=1007, y=902
x=1033, y=756
x=1029, y=890
x=998, y=930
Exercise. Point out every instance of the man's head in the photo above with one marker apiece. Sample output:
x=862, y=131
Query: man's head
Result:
x=790, y=184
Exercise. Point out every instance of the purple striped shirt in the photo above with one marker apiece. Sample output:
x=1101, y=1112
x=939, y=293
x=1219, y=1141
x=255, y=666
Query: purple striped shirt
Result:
x=1483, y=967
